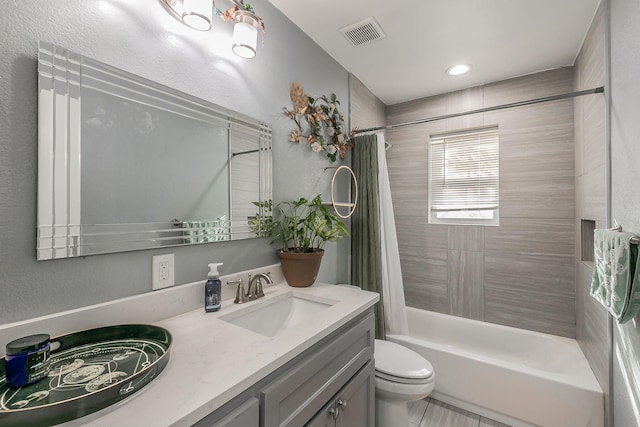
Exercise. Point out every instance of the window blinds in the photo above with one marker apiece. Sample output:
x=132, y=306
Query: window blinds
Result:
x=464, y=170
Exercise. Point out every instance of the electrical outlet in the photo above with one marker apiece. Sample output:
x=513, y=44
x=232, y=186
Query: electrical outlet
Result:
x=162, y=273
x=164, y=270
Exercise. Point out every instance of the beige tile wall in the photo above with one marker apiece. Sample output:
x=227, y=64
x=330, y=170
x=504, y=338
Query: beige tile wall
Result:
x=521, y=273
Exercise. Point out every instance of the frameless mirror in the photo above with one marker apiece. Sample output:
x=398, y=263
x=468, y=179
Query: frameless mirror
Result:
x=125, y=163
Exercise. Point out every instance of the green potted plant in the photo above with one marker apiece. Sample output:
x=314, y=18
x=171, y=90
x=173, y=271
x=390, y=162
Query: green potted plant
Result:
x=301, y=228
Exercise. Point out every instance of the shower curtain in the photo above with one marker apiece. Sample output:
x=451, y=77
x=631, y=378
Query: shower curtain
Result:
x=366, y=268
x=395, y=315
x=374, y=246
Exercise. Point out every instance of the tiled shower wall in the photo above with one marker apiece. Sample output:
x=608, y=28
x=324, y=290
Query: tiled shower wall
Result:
x=366, y=109
x=592, y=329
x=520, y=273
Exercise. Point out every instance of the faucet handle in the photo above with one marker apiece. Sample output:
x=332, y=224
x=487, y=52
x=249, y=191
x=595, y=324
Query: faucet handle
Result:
x=235, y=282
x=240, y=297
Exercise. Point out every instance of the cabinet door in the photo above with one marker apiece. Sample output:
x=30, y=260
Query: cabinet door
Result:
x=324, y=417
x=245, y=415
x=353, y=406
x=356, y=401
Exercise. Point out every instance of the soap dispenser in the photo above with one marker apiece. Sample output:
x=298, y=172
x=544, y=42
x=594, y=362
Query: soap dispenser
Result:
x=213, y=289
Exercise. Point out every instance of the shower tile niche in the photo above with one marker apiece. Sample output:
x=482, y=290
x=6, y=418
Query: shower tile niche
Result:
x=587, y=227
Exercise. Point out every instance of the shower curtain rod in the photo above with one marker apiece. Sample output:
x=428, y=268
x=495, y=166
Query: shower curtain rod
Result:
x=487, y=109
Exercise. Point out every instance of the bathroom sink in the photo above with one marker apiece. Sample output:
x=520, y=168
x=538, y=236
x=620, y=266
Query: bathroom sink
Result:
x=272, y=316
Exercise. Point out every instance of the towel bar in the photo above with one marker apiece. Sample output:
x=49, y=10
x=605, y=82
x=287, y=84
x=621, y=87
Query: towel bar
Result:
x=634, y=239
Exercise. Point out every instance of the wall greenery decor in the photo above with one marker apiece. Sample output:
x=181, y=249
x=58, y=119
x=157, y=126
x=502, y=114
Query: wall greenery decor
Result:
x=323, y=122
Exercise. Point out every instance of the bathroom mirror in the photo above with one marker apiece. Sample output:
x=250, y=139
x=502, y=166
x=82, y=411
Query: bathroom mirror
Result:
x=125, y=163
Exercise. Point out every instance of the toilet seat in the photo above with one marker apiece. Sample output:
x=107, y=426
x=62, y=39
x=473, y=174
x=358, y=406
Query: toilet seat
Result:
x=400, y=364
x=402, y=380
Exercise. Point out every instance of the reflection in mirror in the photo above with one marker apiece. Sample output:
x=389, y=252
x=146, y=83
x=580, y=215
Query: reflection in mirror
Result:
x=125, y=163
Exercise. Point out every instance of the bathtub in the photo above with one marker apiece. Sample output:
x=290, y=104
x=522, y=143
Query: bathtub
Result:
x=515, y=376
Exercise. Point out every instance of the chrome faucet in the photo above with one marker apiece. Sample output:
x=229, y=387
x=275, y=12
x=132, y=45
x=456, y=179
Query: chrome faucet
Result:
x=254, y=289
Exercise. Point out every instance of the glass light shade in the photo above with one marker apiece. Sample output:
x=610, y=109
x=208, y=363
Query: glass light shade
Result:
x=197, y=14
x=245, y=39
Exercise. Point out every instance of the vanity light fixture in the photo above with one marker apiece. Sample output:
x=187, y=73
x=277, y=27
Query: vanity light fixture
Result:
x=456, y=70
x=245, y=33
x=198, y=14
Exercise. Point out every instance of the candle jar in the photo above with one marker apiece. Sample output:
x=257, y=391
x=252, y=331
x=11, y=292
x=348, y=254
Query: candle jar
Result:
x=27, y=360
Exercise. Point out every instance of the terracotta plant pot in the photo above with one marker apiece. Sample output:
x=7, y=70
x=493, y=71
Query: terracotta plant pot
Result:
x=300, y=269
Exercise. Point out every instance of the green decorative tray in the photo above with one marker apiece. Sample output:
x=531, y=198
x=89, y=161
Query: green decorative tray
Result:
x=89, y=370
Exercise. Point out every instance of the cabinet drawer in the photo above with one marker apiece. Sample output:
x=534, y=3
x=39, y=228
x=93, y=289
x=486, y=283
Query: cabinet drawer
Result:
x=295, y=397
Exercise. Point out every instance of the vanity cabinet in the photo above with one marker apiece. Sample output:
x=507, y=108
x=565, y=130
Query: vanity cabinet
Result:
x=313, y=387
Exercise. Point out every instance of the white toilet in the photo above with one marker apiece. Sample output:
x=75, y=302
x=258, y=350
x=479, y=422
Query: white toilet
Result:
x=402, y=376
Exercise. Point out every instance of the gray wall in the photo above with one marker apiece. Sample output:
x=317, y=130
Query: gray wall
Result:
x=592, y=331
x=625, y=191
x=521, y=273
x=142, y=38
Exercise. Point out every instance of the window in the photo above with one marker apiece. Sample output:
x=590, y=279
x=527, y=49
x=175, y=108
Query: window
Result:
x=464, y=177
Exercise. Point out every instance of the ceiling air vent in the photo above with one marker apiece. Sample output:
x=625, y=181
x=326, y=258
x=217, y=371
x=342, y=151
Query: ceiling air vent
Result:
x=364, y=32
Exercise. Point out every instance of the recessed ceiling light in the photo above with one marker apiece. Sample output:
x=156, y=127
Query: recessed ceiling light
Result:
x=456, y=70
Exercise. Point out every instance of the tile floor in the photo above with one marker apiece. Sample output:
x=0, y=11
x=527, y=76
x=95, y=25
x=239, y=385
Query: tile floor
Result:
x=433, y=413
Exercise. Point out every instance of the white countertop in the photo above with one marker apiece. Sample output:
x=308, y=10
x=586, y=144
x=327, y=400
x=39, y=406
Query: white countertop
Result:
x=212, y=361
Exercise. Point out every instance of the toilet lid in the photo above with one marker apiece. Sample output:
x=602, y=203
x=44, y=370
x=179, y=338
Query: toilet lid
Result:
x=395, y=362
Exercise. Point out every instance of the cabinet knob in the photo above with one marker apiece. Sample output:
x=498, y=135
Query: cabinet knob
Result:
x=335, y=412
x=342, y=403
